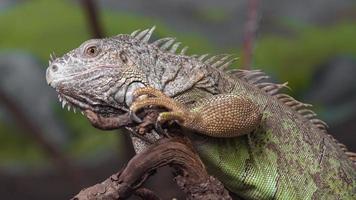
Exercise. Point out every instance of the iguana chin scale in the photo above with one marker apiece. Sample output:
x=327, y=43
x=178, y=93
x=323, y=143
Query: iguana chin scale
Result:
x=262, y=144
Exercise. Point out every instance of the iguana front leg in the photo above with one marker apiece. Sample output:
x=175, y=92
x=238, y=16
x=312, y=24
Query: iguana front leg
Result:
x=225, y=115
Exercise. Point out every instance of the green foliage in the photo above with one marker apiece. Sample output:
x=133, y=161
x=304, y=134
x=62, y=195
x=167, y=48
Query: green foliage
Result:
x=15, y=145
x=295, y=58
x=43, y=26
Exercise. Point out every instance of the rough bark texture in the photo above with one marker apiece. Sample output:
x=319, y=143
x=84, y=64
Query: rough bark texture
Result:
x=178, y=153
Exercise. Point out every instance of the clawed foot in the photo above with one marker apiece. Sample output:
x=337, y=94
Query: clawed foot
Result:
x=149, y=96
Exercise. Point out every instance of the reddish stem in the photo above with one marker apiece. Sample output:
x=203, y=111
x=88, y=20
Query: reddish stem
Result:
x=249, y=33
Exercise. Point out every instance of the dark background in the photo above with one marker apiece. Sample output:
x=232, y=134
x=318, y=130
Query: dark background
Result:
x=49, y=153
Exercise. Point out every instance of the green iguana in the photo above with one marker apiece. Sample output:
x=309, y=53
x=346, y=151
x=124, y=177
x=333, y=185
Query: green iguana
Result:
x=261, y=143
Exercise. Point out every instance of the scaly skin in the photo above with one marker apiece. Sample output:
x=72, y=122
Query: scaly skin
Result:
x=280, y=151
x=223, y=115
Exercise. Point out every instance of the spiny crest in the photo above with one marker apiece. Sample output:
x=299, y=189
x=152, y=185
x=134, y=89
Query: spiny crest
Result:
x=258, y=79
x=221, y=62
x=144, y=35
x=52, y=57
x=349, y=154
x=169, y=44
x=166, y=44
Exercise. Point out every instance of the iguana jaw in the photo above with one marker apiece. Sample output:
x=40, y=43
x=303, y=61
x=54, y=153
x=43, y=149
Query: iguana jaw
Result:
x=83, y=104
x=120, y=101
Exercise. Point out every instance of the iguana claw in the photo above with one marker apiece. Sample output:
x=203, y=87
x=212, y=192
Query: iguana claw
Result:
x=160, y=130
x=134, y=117
x=154, y=97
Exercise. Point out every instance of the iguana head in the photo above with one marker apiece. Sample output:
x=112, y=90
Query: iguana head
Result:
x=101, y=74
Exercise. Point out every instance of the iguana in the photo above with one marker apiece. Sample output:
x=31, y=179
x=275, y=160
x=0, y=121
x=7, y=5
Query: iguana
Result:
x=260, y=142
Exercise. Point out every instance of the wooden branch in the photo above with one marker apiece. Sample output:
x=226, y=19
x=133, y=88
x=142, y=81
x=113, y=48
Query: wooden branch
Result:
x=146, y=194
x=178, y=153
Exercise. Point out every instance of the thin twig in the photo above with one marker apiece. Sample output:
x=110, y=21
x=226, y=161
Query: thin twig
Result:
x=93, y=18
x=250, y=33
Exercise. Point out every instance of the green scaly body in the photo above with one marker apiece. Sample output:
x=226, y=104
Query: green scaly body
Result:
x=287, y=157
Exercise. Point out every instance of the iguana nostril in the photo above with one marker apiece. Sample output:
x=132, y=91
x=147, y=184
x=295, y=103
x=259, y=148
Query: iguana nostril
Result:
x=54, y=68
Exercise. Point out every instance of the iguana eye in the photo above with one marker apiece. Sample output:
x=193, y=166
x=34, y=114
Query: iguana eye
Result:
x=123, y=57
x=92, y=51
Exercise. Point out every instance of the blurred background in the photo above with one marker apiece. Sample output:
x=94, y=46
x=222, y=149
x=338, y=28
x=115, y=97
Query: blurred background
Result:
x=49, y=153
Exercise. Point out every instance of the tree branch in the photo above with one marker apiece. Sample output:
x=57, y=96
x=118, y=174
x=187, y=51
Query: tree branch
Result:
x=178, y=153
x=93, y=18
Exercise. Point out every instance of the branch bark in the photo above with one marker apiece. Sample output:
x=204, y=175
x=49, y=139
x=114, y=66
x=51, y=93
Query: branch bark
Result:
x=178, y=153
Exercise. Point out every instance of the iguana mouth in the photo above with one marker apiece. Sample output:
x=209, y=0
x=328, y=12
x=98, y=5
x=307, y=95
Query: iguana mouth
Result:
x=81, y=105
